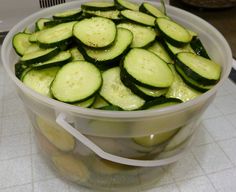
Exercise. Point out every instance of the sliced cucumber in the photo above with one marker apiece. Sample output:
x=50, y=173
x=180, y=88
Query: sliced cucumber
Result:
x=111, y=108
x=169, y=102
x=27, y=30
x=105, y=167
x=39, y=56
x=146, y=69
x=180, y=90
x=152, y=92
x=192, y=33
x=200, y=69
x=173, y=51
x=39, y=25
x=98, y=6
x=32, y=48
x=150, y=9
x=56, y=36
x=60, y=59
x=142, y=35
x=114, y=91
x=99, y=102
x=182, y=136
x=155, y=139
x=87, y=103
x=158, y=49
x=56, y=135
x=143, y=92
x=174, y=33
x=40, y=80
x=191, y=82
x=141, y=40
x=25, y=70
x=19, y=69
x=161, y=102
x=198, y=48
x=111, y=14
x=138, y=17
x=124, y=4
x=71, y=14
x=71, y=167
x=53, y=23
x=76, y=81
x=45, y=146
x=95, y=32
x=33, y=37
x=21, y=42
x=76, y=55
x=106, y=58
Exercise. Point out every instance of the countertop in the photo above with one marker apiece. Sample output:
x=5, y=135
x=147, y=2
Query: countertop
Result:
x=210, y=165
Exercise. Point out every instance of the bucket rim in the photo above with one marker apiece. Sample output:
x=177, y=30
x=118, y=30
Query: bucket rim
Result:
x=6, y=46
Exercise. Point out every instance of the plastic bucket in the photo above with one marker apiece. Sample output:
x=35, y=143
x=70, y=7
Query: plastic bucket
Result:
x=102, y=149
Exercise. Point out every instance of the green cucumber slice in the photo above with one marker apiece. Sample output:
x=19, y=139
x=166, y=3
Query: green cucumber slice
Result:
x=147, y=69
x=116, y=93
x=76, y=81
x=96, y=32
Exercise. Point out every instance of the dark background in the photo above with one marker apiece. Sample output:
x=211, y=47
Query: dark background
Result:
x=223, y=19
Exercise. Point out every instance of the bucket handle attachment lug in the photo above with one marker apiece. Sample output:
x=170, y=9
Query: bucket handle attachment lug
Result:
x=61, y=120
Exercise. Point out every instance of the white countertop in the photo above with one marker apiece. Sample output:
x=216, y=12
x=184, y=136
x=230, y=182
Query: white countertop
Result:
x=210, y=166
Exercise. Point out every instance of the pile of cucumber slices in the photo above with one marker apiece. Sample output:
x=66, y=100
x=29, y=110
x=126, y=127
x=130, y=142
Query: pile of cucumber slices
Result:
x=114, y=56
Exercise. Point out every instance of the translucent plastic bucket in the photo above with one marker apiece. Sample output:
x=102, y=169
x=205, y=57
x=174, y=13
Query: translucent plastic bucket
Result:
x=101, y=149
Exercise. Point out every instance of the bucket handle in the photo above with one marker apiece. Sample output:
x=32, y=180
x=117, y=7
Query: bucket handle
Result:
x=61, y=120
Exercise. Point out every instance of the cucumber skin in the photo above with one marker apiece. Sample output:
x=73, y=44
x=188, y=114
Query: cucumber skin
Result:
x=193, y=75
x=37, y=27
x=111, y=108
x=53, y=23
x=14, y=47
x=41, y=58
x=89, y=15
x=126, y=81
x=119, y=6
x=132, y=79
x=19, y=69
x=55, y=64
x=168, y=38
x=60, y=21
x=171, y=54
x=123, y=18
x=102, y=65
x=74, y=17
x=194, y=85
x=91, y=8
x=158, y=101
x=144, y=10
x=62, y=45
x=198, y=48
